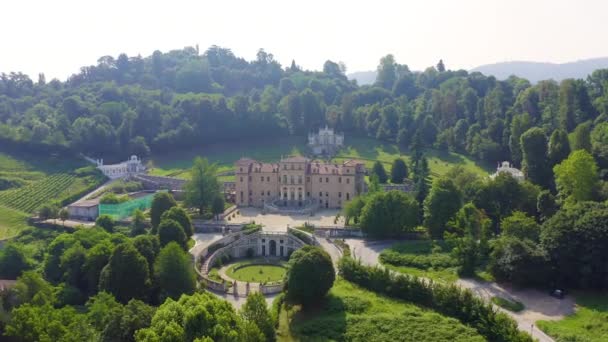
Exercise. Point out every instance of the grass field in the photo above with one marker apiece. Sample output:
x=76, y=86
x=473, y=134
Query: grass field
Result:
x=11, y=222
x=36, y=180
x=257, y=273
x=511, y=305
x=589, y=323
x=366, y=149
x=354, y=314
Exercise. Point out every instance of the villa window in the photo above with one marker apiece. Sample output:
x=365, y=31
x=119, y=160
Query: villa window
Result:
x=292, y=180
x=284, y=179
x=241, y=169
x=326, y=179
x=284, y=166
x=241, y=179
x=262, y=193
x=339, y=179
x=340, y=194
x=327, y=194
x=293, y=167
x=308, y=194
x=262, y=178
x=250, y=192
x=347, y=180
x=320, y=193
x=307, y=179
x=299, y=179
x=348, y=196
x=320, y=180
x=241, y=197
x=300, y=167
x=250, y=178
x=268, y=193
x=268, y=179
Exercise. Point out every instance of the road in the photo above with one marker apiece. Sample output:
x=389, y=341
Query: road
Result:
x=539, y=305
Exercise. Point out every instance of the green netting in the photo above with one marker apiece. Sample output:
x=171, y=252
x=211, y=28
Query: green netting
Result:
x=126, y=209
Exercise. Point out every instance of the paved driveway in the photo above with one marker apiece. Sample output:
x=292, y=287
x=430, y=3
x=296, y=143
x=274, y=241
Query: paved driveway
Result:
x=539, y=305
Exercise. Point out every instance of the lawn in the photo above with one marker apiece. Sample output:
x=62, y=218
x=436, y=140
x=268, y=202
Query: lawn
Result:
x=589, y=323
x=366, y=149
x=256, y=272
x=422, y=258
x=11, y=222
x=351, y=313
x=507, y=304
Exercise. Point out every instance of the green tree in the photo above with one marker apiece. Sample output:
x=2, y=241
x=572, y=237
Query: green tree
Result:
x=559, y=146
x=97, y=258
x=200, y=317
x=518, y=261
x=535, y=163
x=149, y=247
x=388, y=214
x=310, y=275
x=162, y=202
x=387, y=72
x=48, y=211
x=138, y=224
x=581, y=137
x=124, y=322
x=171, y=231
x=576, y=242
x=577, y=176
x=380, y=172
x=546, y=205
x=32, y=288
x=399, y=171
x=203, y=186
x=217, y=206
x=469, y=230
x=443, y=201
x=63, y=215
x=175, y=271
x=255, y=310
x=46, y=323
x=106, y=222
x=126, y=275
x=13, y=261
x=520, y=226
x=180, y=216
x=352, y=209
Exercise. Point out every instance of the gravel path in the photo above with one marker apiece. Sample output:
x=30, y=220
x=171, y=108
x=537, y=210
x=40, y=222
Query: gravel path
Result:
x=539, y=305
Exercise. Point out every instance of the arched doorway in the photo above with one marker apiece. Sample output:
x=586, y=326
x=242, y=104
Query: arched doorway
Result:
x=273, y=248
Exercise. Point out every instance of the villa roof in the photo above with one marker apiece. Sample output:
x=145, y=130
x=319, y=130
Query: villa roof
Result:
x=244, y=161
x=353, y=162
x=266, y=167
x=295, y=159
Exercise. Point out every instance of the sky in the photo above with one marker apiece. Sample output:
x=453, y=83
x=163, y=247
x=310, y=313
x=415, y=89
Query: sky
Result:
x=58, y=37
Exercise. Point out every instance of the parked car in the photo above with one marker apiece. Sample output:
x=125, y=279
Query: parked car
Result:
x=558, y=293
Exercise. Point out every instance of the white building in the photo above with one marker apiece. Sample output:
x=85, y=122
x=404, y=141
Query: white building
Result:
x=326, y=142
x=127, y=168
x=506, y=167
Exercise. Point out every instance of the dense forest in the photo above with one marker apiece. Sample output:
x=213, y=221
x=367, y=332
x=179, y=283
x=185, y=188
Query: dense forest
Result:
x=183, y=99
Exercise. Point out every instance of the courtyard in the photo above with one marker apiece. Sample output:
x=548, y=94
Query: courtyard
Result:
x=276, y=222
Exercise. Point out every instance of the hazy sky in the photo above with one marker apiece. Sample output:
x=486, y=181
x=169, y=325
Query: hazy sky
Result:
x=58, y=37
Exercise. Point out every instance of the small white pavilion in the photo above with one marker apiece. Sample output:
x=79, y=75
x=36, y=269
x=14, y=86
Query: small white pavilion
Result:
x=506, y=167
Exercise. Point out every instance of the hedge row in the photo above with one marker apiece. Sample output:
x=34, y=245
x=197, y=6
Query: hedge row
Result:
x=449, y=300
x=424, y=261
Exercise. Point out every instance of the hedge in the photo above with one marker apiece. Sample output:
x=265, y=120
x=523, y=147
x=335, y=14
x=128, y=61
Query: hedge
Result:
x=449, y=300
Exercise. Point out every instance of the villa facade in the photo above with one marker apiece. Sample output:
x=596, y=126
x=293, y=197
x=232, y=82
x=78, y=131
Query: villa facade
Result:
x=296, y=182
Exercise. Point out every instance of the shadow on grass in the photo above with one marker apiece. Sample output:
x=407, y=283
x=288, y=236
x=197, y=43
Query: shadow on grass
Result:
x=324, y=322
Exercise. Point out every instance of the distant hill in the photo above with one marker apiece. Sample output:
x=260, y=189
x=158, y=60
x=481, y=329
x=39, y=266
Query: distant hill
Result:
x=537, y=71
x=363, y=77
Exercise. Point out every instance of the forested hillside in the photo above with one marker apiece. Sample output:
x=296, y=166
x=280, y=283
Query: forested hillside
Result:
x=187, y=98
